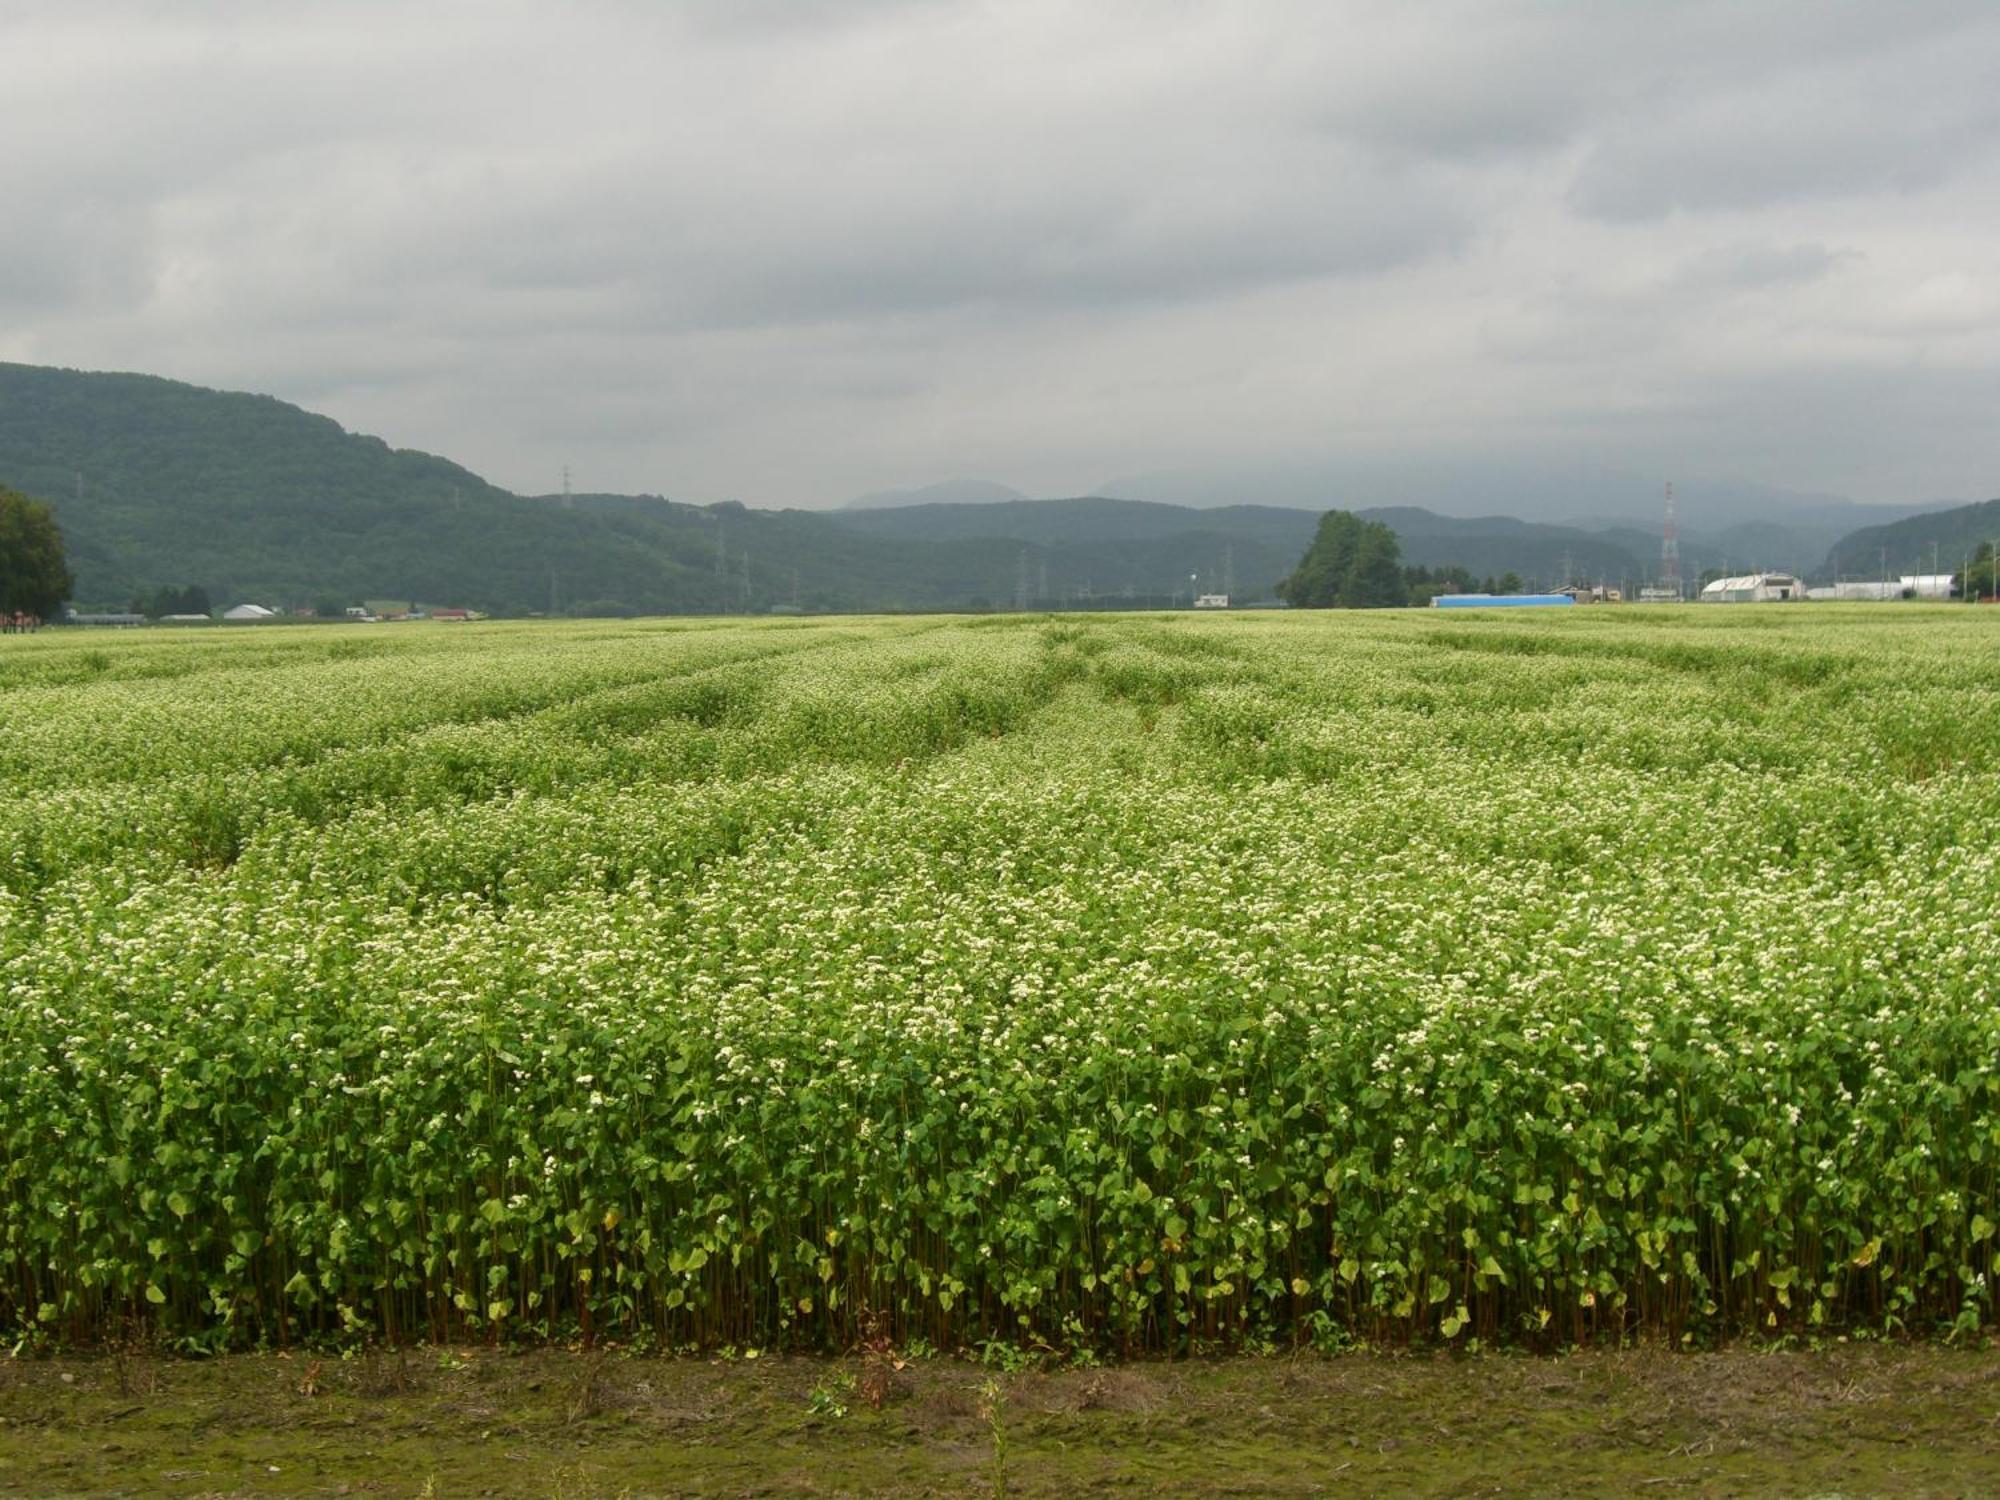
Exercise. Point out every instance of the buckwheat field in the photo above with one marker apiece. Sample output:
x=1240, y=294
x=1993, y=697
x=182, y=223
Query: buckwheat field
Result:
x=1112, y=983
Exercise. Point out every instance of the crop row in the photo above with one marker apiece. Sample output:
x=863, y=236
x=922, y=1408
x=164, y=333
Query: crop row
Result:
x=1125, y=984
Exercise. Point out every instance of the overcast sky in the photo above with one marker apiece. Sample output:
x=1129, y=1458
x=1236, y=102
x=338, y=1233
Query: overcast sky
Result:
x=787, y=252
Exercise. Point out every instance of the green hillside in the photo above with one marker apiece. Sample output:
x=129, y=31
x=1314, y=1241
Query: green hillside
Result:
x=1906, y=546
x=1500, y=544
x=162, y=484
x=157, y=483
x=1101, y=539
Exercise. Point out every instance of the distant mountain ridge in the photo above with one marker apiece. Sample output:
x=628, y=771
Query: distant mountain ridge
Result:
x=1582, y=494
x=1939, y=541
x=947, y=492
x=159, y=483
x=156, y=482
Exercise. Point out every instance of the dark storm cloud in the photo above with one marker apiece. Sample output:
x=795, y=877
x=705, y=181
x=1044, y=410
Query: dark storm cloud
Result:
x=793, y=251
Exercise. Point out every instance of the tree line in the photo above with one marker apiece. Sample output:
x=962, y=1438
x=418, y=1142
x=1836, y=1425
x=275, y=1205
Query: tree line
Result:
x=1357, y=564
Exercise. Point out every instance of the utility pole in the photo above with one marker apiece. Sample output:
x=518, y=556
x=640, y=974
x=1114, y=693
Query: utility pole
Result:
x=1670, y=550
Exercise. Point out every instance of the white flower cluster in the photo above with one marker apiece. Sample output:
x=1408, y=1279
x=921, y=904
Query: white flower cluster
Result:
x=1132, y=974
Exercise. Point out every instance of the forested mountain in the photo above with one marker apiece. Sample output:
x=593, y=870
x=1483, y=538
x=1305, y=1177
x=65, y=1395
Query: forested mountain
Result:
x=1255, y=545
x=1906, y=546
x=159, y=485
x=1542, y=555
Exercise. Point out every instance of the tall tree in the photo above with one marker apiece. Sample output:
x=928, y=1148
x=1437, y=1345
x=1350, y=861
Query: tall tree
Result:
x=1375, y=576
x=34, y=574
x=1351, y=564
x=1982, y=578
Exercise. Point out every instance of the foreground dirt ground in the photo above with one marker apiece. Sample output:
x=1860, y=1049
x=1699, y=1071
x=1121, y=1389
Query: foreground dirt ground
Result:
x=1850, y=1421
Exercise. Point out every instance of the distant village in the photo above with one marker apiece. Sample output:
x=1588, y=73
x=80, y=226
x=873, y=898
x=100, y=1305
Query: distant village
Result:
x=1740, y=588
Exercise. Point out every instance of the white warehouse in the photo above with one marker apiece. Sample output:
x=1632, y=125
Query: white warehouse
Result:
x=1753, y=588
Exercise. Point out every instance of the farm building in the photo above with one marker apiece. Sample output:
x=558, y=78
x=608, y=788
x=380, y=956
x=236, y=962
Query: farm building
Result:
x=1211, y=601
x=1909, y=586
x=248, y=614
x=1876, y=590
x=116, y=619
x=1498, y=601
x=1753, y=588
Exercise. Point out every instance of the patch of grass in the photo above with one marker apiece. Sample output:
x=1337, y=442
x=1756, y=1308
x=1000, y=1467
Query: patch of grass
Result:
x=1851, y=1419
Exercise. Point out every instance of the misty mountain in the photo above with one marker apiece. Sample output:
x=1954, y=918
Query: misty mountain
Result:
x=1247, y=547
x=1747, y=546
x=1541, y=554
x=1097, y=547
x=949, y=492
x=158, y=483
x=1591, y=497
x=1905, y=546
x=1087, y=519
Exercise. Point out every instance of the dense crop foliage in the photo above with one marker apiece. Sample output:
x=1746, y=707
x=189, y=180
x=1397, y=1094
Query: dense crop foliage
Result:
x=1125, y=982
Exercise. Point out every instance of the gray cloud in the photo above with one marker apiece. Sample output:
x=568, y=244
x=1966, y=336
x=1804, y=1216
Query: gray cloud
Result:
x=789, y=252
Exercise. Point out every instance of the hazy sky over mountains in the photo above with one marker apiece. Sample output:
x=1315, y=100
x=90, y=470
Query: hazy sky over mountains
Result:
x=788, y=252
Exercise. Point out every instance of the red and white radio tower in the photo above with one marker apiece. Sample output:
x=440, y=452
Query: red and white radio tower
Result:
x=1670, y=549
